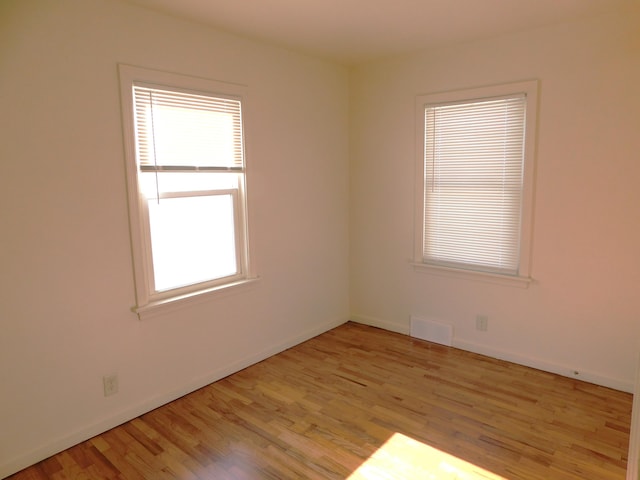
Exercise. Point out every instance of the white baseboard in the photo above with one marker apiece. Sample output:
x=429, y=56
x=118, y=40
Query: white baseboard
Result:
x=565, y=371
x=376, y=322
x=89, y=431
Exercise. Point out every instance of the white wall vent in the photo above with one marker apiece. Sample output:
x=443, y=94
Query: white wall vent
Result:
x=431, y=331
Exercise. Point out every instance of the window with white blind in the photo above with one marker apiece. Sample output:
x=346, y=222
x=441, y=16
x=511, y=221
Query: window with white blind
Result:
x=476, y=179
x=186, y=171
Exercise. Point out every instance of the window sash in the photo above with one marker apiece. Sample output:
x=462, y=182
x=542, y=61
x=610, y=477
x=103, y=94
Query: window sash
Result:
x=473, y=183
x=156, y=267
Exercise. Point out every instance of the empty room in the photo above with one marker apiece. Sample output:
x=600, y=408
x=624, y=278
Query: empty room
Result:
x=338, y=239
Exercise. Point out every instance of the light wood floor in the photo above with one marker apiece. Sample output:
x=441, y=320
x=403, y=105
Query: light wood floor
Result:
x=361, y=402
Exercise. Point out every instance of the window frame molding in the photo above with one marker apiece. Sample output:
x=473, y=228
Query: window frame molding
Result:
x=531, y=89
x=149, y=302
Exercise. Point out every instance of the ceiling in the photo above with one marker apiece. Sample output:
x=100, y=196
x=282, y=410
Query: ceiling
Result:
x=353, y=31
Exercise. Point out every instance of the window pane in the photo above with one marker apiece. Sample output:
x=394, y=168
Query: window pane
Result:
x=192, y=240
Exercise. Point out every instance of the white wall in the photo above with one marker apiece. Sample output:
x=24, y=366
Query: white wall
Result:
x=66, y=283
x=583, y=310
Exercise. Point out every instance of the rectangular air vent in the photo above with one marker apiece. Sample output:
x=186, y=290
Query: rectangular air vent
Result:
x=431, y=331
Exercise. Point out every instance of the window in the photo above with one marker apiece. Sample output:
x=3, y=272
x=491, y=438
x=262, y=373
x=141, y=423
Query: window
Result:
x=186, y=179
x=476, y=179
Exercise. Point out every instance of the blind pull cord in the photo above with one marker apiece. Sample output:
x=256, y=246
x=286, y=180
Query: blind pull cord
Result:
x=153, y=136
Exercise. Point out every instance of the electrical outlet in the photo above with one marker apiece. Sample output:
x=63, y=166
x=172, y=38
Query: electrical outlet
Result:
x=482, y=323
x=110, y=384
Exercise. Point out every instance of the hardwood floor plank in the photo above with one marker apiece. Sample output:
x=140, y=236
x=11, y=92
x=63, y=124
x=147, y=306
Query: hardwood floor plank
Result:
x=358, y=399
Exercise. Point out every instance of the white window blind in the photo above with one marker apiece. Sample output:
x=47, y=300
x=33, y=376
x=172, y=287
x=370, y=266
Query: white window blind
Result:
x=185, y=131
x=473, y=179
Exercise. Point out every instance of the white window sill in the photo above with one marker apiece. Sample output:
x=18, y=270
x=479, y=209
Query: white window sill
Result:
x=495, y=278
x=167, y=305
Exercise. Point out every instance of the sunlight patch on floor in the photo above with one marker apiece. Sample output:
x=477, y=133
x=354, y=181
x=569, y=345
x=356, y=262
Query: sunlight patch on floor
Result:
x=403, y=458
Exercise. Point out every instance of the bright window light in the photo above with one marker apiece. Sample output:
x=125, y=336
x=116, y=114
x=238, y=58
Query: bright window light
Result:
x=192, y=240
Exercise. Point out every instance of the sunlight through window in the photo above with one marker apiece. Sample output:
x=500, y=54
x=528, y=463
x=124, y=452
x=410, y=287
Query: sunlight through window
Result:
x=192, y=240
x=403, y=458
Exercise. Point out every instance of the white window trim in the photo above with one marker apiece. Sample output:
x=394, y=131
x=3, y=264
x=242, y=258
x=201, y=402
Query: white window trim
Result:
x=146, y=303
x=473, y=275
x=523, y=279
x=167, y=305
